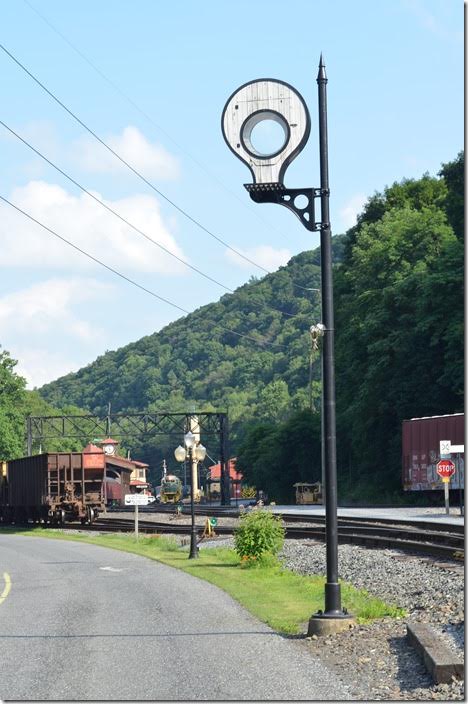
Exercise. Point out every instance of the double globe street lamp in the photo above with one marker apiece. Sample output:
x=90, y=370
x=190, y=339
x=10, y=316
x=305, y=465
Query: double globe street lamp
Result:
x=193, y=453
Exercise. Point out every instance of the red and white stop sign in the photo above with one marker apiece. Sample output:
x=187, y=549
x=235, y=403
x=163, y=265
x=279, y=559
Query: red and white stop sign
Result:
x=445, y=468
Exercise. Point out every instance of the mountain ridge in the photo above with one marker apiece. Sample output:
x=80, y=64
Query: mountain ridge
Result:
x=253, y=311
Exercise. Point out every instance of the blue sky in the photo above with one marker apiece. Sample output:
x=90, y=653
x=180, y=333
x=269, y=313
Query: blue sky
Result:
x=395, y=110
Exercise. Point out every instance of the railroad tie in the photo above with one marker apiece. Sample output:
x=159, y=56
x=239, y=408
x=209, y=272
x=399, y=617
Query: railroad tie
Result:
x=439, y=660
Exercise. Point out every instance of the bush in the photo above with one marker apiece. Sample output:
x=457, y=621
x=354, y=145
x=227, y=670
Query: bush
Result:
x=259, y=535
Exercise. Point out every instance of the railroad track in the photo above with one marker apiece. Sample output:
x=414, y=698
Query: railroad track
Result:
x=423, y=537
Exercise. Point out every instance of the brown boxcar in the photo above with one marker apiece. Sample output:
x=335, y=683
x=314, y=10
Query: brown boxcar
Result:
x=53, y=487
x=421, y=451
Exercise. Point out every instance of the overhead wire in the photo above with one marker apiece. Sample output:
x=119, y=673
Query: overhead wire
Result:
x=150, y=119
x=134, y=227
x=135, y=171
x=131, y=281
x=129, y=166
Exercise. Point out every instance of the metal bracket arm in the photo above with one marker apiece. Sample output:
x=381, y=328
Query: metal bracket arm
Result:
x=278, y=193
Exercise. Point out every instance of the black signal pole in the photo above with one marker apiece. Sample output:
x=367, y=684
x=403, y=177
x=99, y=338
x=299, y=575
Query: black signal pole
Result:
x=246, y=107
x=332, y=587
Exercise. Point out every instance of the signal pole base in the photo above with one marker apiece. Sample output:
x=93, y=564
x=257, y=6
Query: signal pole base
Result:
x=323, y=625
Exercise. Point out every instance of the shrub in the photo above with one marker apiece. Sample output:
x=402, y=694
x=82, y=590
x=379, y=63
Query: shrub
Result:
x=260, y=534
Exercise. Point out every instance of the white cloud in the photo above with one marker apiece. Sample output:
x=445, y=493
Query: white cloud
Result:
x=264, y=255
x=39, y=366
x=88, y=225
x=152, y=160
x=436, y=25
x=47, y=306
x=351, y=209
x=41, y=133
x=40, y=320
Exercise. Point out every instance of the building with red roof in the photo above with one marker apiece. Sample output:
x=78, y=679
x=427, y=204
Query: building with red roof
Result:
x=120, y=471
x=235, y=477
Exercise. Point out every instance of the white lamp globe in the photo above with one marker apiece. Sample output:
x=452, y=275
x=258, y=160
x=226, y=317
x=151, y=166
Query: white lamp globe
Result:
x=179, y=453
x=200, y=452
x=189, y=439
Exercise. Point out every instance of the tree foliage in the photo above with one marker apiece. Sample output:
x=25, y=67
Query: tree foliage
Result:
x=275, y=456
x=12, y=397
x=399, y=321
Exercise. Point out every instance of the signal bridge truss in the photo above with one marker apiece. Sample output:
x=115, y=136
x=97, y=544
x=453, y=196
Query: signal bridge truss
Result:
x=133, y=425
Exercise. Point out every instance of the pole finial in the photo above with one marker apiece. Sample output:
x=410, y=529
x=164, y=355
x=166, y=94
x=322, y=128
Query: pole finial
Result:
x=322, y=75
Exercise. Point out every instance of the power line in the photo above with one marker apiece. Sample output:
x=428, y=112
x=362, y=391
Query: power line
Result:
x=150, y=119
x=131, y=281
x=127, y=222
x=133, y=170
x=129, y=166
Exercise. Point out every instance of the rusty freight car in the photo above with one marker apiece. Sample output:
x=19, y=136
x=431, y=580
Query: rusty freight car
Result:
x=55, y=487
x=421, y=451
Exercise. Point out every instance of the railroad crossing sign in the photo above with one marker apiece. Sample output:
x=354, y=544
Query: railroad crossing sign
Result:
x=445, y=448
x=136, y=500
x=445, y=469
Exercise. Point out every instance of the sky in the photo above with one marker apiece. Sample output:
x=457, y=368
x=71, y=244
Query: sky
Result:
x=150, y=79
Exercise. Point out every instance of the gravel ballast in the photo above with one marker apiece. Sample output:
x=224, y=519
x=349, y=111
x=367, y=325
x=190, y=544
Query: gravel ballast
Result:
x=377, y=656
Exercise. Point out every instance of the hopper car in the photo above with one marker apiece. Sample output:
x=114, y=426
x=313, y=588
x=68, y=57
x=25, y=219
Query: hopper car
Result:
x=55, y=487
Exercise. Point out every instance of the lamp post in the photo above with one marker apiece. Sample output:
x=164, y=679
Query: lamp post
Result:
x=276, y=101
x=194, y=453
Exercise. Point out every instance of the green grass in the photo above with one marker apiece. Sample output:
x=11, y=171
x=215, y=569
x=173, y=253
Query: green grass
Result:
x=282, y=599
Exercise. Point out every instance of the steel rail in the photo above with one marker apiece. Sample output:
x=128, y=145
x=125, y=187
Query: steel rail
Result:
x=448, y=545
x=230, y=512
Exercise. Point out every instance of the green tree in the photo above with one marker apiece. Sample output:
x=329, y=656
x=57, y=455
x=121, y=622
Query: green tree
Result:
x=453, y=174
x=273, y=457
x=399, y=327
x=12, y=398
x=274, y=400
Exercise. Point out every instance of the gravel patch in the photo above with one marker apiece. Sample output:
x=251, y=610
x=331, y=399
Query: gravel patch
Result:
x=376, y=656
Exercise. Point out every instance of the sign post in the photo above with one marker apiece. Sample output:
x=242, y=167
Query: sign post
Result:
x=446, y=450
x=136, y=500
x=459, y=483
x=445, y=469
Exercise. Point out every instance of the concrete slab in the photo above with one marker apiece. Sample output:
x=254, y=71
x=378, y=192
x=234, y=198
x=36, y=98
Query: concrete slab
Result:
x=439, y=660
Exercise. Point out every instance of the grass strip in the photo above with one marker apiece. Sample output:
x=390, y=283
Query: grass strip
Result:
x=277, y=596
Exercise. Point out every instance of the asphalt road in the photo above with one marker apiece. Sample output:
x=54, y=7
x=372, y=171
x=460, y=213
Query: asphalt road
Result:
x=82, y=622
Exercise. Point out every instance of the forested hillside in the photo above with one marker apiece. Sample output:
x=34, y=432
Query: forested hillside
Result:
x=247, y=354
x=399, y=346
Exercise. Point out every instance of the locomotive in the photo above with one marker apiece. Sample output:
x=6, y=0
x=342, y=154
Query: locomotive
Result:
x=171, y=489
